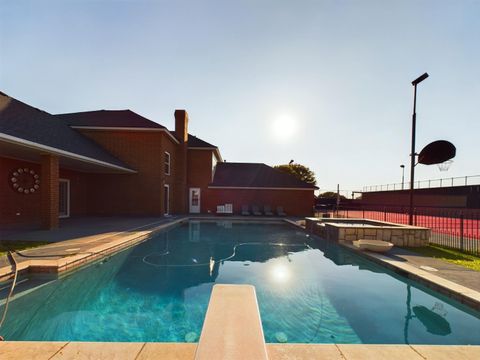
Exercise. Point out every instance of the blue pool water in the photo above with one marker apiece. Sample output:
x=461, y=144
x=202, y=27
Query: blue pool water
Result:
x=309, y=291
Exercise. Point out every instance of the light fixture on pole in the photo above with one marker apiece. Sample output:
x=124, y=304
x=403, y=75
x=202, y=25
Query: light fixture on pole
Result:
x=403, y=175
x=412, y=154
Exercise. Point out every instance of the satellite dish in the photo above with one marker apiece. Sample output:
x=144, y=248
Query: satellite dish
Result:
x=437, y=152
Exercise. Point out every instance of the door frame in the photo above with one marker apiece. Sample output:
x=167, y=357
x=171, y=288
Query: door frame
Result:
x=190, y=200
x=166, y=201
x=67, y=215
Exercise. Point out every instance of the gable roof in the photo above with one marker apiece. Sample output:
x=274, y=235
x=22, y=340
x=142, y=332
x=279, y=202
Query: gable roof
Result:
x=194, y=142
x=109, y=118
x=122, y=119
x=19, y=121
x=255, y=175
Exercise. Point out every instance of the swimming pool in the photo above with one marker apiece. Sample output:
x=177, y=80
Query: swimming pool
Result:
x=309, y=291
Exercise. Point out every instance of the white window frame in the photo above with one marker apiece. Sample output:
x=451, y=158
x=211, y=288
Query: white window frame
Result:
x=67, y=181
x=167, y=156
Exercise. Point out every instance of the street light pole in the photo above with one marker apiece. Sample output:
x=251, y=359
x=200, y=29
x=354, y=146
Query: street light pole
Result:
x=403, y=175
x=412, y=154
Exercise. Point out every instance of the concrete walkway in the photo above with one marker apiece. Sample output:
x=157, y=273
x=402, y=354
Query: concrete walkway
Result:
x=84, y=228
x=79, y=241
x=456, y=273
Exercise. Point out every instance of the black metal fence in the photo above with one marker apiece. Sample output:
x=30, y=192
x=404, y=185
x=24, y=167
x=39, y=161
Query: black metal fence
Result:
x=454, y=228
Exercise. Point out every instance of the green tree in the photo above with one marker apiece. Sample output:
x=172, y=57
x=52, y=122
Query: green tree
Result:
x=331, y=195
x=300, y=171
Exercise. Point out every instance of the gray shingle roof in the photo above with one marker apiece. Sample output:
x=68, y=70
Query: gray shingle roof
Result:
x=255, y=175
x=193, y=141
x=26, y=122
x=109, y=118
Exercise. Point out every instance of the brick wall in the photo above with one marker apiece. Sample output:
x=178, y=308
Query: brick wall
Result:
x=49, y=191
x=17, y=210
x=294, y=202
x=199, y=173
x=78, y=191
x=132, y=194
x=24, y=210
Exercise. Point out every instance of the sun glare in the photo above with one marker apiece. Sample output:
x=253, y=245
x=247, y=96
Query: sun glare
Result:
x=280, y=273
x=284, y=127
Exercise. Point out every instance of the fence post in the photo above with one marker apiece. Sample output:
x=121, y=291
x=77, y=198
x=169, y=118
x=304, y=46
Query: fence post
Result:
x=363, y=213
x=415, y=217
x=384, y=214
x=461, y=231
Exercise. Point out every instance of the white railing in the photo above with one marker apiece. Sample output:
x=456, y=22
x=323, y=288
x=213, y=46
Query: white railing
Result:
x=426, y=184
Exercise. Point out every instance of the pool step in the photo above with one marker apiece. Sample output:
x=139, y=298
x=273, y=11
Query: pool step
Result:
x=232, y=327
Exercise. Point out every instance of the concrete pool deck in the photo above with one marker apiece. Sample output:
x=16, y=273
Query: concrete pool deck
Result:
x=79, y=241
x=11, y=350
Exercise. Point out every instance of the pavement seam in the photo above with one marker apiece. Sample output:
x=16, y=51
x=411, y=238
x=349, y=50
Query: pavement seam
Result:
x=411, y=347
x=340, y=351
x=63, y=347
x=140, y=351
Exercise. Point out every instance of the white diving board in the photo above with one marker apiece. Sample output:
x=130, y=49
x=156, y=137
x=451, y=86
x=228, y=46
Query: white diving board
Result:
x=232, y=329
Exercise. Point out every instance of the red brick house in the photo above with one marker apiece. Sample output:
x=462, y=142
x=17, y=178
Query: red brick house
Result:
x=116, y=162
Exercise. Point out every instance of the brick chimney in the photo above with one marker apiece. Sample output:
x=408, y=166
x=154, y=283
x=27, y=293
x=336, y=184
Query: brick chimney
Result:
x=181, y=126
x=181, y=133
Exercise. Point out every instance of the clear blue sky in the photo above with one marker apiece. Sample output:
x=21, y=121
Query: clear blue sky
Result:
x=339, y=72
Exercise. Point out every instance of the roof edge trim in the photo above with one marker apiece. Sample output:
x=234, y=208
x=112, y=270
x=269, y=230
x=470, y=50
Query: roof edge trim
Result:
x=34, y=145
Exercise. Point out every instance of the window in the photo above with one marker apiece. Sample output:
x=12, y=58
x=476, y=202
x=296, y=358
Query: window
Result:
x=167, y=163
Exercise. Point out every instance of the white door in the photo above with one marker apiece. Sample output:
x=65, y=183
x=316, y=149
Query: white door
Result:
x=63, y=198
x=194, y=195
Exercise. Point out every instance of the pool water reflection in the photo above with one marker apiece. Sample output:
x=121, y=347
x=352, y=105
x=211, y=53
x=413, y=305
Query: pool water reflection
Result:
x=309, y=290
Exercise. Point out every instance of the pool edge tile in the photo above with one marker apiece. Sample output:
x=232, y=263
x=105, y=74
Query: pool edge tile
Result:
x=29, y=350
x=99, y=350
x=167, y=351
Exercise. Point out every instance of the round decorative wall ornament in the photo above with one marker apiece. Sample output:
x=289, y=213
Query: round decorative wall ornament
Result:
x=25, y=181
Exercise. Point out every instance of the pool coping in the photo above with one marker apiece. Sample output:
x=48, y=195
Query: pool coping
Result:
x=29, y=350
x=463, y=294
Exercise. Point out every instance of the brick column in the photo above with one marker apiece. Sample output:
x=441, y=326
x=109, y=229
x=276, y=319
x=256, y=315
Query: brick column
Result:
x=49, y=191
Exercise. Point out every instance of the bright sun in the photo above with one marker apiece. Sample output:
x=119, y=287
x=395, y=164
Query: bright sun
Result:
x=284, y=127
